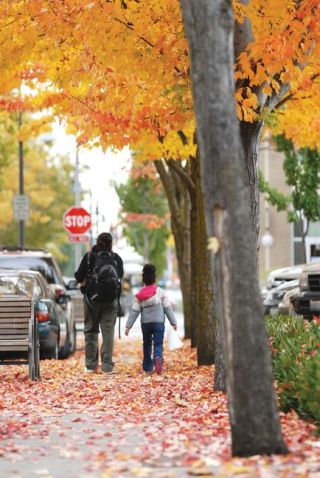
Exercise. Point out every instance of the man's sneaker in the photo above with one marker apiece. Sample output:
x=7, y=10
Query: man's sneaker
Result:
x=111, y=372
x=158, y=365
x=90, y=370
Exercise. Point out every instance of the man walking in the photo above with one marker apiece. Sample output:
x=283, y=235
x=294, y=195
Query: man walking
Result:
x=100, y=273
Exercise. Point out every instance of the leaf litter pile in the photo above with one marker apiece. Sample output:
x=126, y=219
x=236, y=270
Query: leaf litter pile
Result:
x=133, y=424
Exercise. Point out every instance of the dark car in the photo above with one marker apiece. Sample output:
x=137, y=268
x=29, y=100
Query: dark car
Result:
x=43, y=262
x=52, y=319
x=306, y=301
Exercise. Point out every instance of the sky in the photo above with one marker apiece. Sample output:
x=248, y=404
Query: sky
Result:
x=101, y=170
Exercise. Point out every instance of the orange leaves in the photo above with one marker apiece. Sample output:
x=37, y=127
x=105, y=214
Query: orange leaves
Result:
x=133, y=424
x=287, y=41
x=12, y=104
x=145, y=169
x=247, y=103
x=239, y=11
x=130, y=56
x=150, y=221
x=121, y=69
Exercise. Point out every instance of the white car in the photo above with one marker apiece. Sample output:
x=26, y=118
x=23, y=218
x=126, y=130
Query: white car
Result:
x=276, y=294
x=285, y=307
x=279, y=276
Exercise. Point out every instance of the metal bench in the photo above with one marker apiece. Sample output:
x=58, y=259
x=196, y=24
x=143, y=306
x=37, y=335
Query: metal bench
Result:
x=19, y=340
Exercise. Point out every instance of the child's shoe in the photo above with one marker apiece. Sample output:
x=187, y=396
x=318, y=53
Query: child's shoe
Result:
x=90, y=370
x=158, y=365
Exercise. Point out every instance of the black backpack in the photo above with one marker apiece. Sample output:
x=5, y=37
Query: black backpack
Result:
x=103, y=283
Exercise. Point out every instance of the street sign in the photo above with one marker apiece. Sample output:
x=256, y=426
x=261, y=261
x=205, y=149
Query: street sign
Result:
x=77, y=220
x=21, y=205
x=80, y=238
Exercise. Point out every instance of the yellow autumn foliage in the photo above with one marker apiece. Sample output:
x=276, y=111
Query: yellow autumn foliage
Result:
x=119, y=71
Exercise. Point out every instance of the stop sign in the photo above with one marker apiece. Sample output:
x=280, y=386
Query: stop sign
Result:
x=77, y=220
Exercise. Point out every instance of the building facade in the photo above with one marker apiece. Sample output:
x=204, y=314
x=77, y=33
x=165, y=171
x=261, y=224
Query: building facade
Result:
x=280, y=241
x=276, y=245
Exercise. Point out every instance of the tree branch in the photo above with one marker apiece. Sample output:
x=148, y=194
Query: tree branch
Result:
x=169, y=189
x=131, y=27
x=292, y=95
x=182, y=174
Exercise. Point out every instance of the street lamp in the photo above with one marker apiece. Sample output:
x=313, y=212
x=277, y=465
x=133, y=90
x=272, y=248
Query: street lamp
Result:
x=267, y=242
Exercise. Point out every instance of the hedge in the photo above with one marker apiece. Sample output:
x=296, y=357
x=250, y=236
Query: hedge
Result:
x=295, y=345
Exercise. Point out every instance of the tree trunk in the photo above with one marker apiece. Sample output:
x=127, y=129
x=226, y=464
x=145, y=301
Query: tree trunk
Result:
x=194, y=271
x=253, y=412
x=202, y=298
x=179, y=205
x=219, y=369
x=250, y=137
x=201, y=274
x=182, y=242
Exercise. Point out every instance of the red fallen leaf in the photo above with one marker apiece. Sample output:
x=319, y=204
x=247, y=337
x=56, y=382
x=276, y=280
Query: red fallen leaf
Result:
x=77, y=420
x=178, y=414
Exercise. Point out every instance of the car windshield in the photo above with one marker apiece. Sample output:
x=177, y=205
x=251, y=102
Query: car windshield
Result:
x=39, y=264
x=20, y=285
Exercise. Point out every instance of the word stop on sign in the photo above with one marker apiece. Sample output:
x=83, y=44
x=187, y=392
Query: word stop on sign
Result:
x=77, y=221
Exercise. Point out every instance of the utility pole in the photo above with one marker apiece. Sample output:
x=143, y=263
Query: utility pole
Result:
x=21, y=184
x=91, y=213
x=97, y=219
x=77, y=202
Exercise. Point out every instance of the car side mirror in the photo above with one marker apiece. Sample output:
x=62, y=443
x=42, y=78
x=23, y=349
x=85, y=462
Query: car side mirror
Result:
x=72, y=285
x=61, y=297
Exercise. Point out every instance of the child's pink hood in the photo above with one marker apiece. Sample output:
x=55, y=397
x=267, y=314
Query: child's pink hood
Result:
x=146, y=292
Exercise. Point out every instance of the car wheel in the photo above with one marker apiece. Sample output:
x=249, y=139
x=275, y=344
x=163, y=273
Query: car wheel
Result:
x=65, y=352
x=53, y=352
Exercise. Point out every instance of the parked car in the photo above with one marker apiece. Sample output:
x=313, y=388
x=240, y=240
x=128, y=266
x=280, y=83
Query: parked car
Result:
x=286, y=274
x=77, y=299
x=42, y=261
x=285, y=307
x=52, y=319
x=276, y=294
x=306, y=301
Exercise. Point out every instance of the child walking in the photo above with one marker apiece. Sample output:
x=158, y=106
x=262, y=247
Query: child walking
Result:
x=153, y=304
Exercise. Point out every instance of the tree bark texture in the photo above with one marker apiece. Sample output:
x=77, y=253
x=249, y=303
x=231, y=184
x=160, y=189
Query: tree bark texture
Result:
x=250, y=137
x=202, y=298
x=179, y=205
x=219, y=368
x=182, y=176
x=253, y=412
x=202, y=279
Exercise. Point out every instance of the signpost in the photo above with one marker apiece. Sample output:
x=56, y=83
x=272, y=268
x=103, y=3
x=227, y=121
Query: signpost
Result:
x=77, y=221
x=21, y=206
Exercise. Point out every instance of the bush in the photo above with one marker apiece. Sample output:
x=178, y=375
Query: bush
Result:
x=295, y=347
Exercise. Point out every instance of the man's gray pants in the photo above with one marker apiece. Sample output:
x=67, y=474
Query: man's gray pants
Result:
x=103, y=315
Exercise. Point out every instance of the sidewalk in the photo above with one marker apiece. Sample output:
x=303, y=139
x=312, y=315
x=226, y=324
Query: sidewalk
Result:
x=72, y=425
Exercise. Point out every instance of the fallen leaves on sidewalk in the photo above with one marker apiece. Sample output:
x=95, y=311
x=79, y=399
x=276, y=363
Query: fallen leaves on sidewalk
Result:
x=131, y=423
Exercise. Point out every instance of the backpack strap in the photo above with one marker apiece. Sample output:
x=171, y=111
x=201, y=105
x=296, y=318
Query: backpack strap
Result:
x=89, y=262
